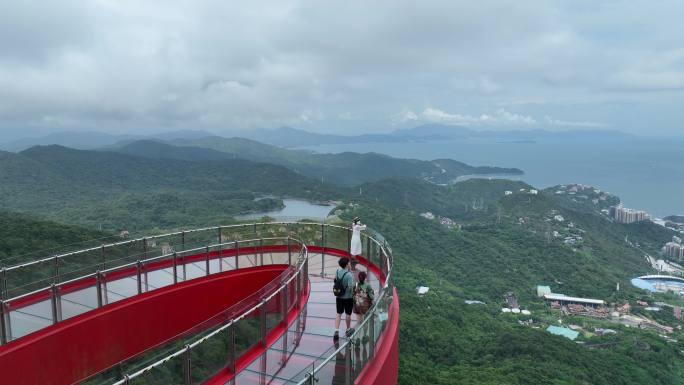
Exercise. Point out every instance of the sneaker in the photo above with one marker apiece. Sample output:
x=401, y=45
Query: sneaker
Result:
x=349, y=332
x=336, y=336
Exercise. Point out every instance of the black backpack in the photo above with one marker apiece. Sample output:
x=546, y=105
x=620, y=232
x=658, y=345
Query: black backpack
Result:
x=339, y=288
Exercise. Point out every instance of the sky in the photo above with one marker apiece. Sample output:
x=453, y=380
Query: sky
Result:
x=340, y=67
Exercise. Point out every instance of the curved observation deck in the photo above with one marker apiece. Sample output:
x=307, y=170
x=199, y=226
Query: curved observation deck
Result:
x=245, y=304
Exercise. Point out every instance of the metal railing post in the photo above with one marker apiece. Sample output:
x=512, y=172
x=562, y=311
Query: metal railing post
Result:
x=175, y=268
x=323, y=264
x=3, y=325
x=261, y=251
x=237, y=254
x=289, y=251
x=127, y=379
x=231, y=348
x=138, y=271
x=98, y=289
x=349, y=237
x=371, y=335
x=187, y=364
x=323, y=236
x=206, y=260
x=311, y=376
x=103, y=257
x=285, y=303
x=3, y=282
x=349, y=368
x=262, y=323
x=368, y=247
x=185, y=270
x=183, y=241
x=144, y=240
x=56, y=270
x=56, y=304
x=220, y=248
x=298, y=291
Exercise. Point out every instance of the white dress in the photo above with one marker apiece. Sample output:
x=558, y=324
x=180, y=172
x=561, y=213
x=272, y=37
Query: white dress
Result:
x=356, y=248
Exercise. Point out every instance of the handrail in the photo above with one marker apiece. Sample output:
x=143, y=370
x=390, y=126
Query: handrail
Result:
x=380, y=248
x=153, y=237
x=132, y=264
x=310, y=376
x=242, y=315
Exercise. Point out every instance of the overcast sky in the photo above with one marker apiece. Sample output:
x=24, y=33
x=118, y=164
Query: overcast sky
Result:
x=342, y=66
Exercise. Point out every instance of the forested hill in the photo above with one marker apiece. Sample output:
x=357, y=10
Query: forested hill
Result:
x=346, y=169
x=25, y=238
x=506, y=243
x=121, y=191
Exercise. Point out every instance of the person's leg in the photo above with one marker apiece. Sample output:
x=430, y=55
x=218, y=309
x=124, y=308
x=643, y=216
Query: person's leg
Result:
x=348, y=307
x=338, y=317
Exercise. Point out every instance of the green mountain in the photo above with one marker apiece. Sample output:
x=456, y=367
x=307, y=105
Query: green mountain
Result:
x=347, y=169
x=506, y=243
x=25, y=238
x=116, y=191
x=472, y=240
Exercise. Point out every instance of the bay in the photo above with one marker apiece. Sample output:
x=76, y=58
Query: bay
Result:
x=646, y=173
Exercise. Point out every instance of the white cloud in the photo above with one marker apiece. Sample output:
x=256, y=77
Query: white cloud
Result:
x=568, y=123
x=212, y=64
x=404, y=116
x=501, y=117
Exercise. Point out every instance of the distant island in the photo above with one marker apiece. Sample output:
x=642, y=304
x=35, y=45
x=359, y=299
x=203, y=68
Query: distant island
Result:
x=675, y=218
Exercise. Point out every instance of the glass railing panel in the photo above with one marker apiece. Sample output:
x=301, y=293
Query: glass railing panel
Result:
x=76, y=265
x=210, y=356
x=328, y=370
x=247, y=332
x=240, y=232
x=78, y=302
x=26, y=322
x=25, y=279
x=120, y=288
x=253, y=258
x=170, y=372
x=274, y=311
x=337, y=238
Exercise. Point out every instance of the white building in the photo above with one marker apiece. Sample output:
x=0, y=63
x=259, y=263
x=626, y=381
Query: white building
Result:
x=625, y=215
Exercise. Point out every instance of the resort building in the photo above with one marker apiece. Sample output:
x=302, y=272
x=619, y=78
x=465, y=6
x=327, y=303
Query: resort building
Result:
x=622, y=214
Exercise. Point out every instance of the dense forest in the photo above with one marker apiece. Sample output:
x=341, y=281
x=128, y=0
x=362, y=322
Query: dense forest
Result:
x=501, y=238
x=445, y=341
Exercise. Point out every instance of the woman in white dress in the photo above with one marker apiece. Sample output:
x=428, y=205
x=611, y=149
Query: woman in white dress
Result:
x=356, y=248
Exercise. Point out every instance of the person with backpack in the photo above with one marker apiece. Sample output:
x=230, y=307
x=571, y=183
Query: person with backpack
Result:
x=343, y=287
x=363, y=297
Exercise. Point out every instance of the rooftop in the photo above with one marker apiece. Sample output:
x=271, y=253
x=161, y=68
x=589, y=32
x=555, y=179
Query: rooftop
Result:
x=563, y=297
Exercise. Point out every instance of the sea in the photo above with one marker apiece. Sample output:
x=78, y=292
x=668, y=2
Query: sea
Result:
x=646, y=173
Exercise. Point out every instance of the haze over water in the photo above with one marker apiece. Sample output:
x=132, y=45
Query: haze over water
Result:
x=645, y=173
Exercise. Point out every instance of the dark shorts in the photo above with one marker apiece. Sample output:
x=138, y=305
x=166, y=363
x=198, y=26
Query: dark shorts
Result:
x=344, y=305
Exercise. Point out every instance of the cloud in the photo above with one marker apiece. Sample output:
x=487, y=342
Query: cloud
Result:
x=567, y=123
x=500, y=117
x=210, y=64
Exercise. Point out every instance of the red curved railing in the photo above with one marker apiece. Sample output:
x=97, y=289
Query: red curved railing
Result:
x=273, y=315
